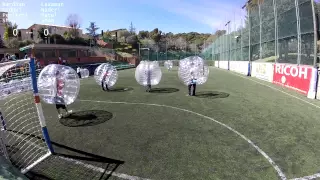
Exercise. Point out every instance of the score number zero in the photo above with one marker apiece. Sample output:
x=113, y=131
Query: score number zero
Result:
x=15, y=32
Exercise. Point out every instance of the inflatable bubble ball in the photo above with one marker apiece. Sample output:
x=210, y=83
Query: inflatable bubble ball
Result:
x=84, y=73
x=193, y=66
x=168, y=64
x=107, y=74
x=148, y=73
x=58, y=84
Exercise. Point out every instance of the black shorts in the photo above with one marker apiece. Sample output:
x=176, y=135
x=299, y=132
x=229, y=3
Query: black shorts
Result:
x=60, y=103
x=61, y=106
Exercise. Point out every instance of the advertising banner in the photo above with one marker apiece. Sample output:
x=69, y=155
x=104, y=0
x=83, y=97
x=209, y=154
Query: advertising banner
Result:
x=263, y=71
x=241, y=67
x=293, y=76
x=223, y=64
x=216, y=63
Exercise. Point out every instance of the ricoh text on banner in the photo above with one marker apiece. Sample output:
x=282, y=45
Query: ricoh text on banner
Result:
x=293, y=76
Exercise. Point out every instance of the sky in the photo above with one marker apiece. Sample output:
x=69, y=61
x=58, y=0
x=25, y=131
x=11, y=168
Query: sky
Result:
x=176, y=16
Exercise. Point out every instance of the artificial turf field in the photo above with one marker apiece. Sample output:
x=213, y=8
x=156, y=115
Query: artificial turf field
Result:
x=168, y=135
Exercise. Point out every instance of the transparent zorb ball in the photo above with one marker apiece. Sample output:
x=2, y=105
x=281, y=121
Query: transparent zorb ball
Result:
x=168, y=64
x=26, y=83
x=58, y=81
x=106, y=74
x=84, y=73
x=193, y=66
x=148, y=73
x=5, y=90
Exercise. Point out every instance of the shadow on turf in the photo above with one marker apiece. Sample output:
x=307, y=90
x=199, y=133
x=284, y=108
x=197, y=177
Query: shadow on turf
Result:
x=86, y=118
x=121, y=89
x=211, y=94
x=71, y=163
x=163, y=90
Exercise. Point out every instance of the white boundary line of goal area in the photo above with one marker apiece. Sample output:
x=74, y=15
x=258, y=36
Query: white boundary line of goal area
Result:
x=273, y=164
x=310, y=177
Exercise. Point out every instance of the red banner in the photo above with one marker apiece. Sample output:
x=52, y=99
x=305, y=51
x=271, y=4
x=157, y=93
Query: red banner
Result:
x=293, y=76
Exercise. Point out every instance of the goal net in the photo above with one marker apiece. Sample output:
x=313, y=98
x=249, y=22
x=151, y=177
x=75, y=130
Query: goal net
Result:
x=21, y=132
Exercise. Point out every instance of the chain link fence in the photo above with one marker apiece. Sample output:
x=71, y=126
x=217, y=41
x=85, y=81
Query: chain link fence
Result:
x=280, y=31
x=165, y=51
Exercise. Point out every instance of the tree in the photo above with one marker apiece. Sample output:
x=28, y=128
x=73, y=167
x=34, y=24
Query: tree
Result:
x=8, y=30
x=156, y=35
x=107, y=35
x=181, y=43
x=92, y=30
x=132, y=29
x=73, y=21
x=123, y=34
x=132, y=39
x=143, y=34
x=1, y=43
x=41, y=34
x=12, y=43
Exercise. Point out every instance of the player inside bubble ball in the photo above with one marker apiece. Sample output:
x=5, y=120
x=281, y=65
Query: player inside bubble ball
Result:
x=148, y=80
x=59, y=99
x=104, y=81
x=192, y=85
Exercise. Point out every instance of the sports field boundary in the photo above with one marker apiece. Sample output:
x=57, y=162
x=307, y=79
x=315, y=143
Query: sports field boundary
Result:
x=281, y=175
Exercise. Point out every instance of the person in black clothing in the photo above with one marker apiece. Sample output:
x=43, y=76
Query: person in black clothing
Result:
x=79, y=71
x=148, y=80
x=59, y=99
x=104, y=84
x=192, y=85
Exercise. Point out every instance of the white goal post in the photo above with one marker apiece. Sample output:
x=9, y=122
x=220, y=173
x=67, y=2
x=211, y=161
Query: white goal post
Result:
x=25, y=140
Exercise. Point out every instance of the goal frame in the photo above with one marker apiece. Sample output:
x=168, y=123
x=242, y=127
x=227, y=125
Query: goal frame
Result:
x=39, y=113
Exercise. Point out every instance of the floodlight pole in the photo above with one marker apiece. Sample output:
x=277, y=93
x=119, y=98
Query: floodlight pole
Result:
x=166, y=51
x=227, y=24
x=315, y=35
x=139, y=50
x=244, y=6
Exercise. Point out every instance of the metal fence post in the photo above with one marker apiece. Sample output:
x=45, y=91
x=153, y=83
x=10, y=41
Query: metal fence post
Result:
x=315, y=35
x=260, y=30
x=298, y=31
x=249, y=23
x=275, y=30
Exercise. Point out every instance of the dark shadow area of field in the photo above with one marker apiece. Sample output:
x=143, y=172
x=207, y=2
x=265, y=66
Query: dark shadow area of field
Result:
x=86, y=118
x=163, y=90
x=69, y=163
x=120, y=89
x=211, y=94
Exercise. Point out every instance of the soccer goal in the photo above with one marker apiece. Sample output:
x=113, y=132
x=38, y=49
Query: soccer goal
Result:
x=24, y=138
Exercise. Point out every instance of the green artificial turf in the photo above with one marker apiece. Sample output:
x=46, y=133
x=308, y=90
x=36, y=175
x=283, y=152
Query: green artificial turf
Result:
x=163, y=142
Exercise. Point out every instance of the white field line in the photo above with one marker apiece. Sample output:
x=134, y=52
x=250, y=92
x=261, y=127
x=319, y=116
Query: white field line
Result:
x=310, y=177
x=273, y=164
x=314, y=176
x=101, y=170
